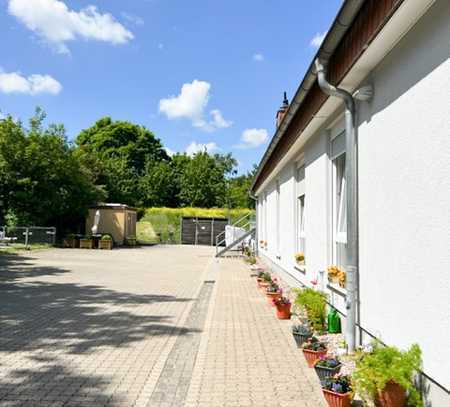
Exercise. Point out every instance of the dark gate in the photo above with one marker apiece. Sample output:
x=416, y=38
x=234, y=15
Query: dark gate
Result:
x=201, y=231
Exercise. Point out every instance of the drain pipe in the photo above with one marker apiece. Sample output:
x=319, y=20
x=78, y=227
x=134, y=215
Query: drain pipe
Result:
x=351, y=175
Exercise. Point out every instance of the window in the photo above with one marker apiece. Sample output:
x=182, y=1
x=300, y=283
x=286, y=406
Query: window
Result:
x=300, y=210
x=339, y=212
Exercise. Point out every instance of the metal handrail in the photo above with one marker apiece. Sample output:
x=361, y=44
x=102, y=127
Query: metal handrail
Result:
x=247, y=226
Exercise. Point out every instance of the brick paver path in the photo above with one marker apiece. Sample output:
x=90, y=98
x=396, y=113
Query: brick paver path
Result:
x=247, y=357
x=155, y=327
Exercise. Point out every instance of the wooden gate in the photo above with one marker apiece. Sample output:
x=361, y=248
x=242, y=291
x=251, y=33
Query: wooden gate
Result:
x=201, y=231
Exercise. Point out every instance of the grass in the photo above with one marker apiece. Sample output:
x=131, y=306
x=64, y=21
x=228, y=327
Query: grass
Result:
x=167, y=221
x=15, y=248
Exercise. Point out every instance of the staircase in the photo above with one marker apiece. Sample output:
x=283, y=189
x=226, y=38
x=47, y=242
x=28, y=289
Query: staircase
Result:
x=247, y=224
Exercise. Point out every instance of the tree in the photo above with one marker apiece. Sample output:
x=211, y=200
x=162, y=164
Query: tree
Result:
x=203, y=182
x=121, y=153
x=41, y=179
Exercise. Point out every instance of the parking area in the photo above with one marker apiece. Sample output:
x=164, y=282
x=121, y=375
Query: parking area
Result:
x=157, y=326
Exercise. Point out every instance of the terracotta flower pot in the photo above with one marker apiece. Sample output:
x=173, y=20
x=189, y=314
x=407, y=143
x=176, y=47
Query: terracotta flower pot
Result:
x=259, y=280
x=337, y=399
x=393, y=395
x=312, y=356
x=271, y=297
x=284, y=311
x=263, y=285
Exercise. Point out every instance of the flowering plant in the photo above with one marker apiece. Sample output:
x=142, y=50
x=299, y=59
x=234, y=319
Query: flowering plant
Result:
x=315, y=345
x=338, y=384
x=336, y=274
x=273, y=288
x=328, y=362
x=300, y=257
x=282, y=301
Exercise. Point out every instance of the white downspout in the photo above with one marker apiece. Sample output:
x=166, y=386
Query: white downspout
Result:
x=351, y=175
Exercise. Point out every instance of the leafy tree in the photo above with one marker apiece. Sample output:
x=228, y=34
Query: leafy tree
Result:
x=238, y=190
x=41, y=180
x=203, y=182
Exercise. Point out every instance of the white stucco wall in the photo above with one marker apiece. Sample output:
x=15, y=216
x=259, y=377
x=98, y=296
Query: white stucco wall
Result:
x=404, y=174
x=404, y=192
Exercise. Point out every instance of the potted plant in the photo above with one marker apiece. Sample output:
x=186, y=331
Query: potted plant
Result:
x=301, y=333
x=106, y=242
x=264, y=281
x=336, y=275
x=313, y=350
x=327, y=366
x=314, y=302
x=86, y=242
x=70, y=241
x=273, y=292
x=385, y=375
x=338, y=391
x=300, y=258
x=283, y=305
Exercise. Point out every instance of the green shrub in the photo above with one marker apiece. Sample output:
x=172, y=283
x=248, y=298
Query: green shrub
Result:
x=388, y=364
x=107, y=237
x=314, y=302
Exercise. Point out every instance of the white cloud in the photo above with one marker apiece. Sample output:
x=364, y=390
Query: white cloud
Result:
x=258, y=57
x=14, y=82
x=317, y=40
x=191, y=104
x=160, y=45
x=132, y=18
x=218, y=120
x=195, y=147
x=56, y=24
x=252, y=138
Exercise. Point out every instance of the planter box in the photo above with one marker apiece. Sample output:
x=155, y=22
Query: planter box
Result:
x=393, y=395
x=311, y=355
x=324, y=372
x=70, y=243
x=130, y=241
x=284, y=311
x=337, y=399
x=271, y=297
x=86, y=244
x=300, y=339
x=105, y=244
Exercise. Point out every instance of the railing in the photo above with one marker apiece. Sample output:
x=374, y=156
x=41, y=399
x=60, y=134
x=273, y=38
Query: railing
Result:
x=247, y=222
x=27, y=235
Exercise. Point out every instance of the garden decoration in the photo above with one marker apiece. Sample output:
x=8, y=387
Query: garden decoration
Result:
x=338, y=391
x=313, y=350
x=334, y=322
x=386, y=376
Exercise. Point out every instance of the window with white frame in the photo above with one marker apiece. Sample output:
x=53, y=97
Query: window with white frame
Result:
x=339, y=244
x=300, y=210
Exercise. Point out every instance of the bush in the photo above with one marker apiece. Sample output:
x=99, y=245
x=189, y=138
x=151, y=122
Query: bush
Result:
x=314, y=302
x=107, y=237
x=388, y=364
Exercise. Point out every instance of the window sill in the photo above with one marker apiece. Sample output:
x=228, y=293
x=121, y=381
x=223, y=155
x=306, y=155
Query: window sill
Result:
x=300, y=268
x=337, y=289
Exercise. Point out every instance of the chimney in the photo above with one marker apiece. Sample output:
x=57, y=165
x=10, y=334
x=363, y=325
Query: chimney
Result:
x=282, y=110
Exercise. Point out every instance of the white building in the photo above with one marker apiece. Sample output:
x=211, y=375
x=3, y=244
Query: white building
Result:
x=401, y=49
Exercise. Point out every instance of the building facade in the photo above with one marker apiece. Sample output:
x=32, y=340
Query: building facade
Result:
x=400, y=50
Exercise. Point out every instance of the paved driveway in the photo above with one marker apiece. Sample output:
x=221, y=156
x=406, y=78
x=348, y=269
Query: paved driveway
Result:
x=91, y=328
x=155, y=327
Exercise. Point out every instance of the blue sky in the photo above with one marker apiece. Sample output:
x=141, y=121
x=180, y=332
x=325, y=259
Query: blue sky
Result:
x=200, y=72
